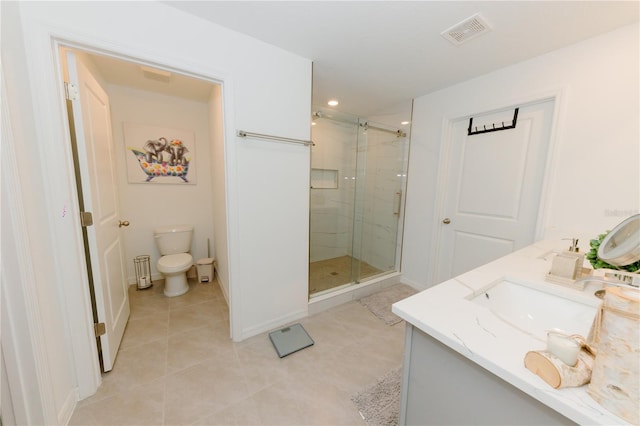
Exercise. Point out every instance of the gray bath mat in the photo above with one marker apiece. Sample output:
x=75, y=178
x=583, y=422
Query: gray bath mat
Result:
x=380, y=303
x=290, y=339
x=379, y=404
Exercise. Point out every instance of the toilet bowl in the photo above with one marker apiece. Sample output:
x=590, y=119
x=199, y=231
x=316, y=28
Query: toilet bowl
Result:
x=174, y=267
x=174, y=243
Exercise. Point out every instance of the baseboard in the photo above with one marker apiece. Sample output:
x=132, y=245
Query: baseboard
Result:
x=416, y=286
x=68, y=407
x=273, y=324
x=223, y=287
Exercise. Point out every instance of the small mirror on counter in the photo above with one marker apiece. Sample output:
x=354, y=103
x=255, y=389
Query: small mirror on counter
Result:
x=621, y=246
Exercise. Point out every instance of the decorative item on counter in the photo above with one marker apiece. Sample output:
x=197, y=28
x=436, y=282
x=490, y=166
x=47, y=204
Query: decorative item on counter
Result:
x=618, y=249
x=615, y=255
x=615, y=381
x=556, y=373
x=564, y=346
x=142, y=265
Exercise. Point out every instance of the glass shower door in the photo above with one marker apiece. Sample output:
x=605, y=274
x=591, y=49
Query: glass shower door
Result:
x=381, y=163
x=359, y=204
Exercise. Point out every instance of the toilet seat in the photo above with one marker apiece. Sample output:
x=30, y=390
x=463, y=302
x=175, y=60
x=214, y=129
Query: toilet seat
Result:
x=175, y=262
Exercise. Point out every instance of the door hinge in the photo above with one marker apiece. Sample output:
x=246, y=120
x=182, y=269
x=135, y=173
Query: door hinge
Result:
x=100, y=329
x=86, y=219
x=71, y=91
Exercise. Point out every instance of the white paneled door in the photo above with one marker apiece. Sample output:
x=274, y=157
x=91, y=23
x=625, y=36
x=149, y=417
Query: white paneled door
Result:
x=493, y=189
x=96, y=162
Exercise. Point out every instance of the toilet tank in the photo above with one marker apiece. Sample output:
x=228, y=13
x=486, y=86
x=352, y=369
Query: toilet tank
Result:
x=173, y=239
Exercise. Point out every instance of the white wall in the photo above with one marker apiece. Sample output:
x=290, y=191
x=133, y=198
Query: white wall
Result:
x=149, y=205
x=218, y=189
x=594, y=171
x=266, y=90
x=33, y=282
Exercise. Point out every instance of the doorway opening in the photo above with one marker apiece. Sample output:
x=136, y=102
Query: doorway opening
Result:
x=138, y=94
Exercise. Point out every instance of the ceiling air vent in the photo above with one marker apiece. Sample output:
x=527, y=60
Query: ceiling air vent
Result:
x=466, y=30
x=155, y=74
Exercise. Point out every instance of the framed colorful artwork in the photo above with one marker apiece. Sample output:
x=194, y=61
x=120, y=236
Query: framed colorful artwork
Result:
x=159, y=155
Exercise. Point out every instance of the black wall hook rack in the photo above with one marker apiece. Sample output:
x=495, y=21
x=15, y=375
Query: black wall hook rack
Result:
x=493, y=127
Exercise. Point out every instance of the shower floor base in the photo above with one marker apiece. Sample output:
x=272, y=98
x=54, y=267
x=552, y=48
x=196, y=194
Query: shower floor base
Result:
x=331, y=273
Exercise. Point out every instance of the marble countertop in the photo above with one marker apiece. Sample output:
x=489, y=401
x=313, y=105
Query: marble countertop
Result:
x=445, y=313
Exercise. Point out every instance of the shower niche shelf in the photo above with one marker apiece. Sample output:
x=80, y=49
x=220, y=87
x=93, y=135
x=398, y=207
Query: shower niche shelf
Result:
x=324, y=179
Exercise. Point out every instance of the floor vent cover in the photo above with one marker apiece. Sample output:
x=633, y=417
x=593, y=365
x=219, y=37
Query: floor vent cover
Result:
x=466, y=30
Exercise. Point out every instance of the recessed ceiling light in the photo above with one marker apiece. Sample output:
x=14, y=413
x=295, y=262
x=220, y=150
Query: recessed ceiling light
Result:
x=333, y=102
x=404, y=123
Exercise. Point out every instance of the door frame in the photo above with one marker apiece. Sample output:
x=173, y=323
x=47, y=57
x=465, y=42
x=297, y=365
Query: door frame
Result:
x=446, y=142
x=92, y=238
x=75, y=295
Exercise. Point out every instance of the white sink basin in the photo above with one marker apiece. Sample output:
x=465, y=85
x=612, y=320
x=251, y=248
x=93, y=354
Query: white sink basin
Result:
x=535, y=311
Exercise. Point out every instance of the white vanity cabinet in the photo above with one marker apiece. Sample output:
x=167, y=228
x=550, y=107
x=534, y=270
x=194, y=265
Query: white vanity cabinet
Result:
x=442, y=387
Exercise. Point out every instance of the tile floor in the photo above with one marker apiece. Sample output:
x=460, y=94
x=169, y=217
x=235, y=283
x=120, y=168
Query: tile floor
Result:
x=177, y=366
x=331, y=273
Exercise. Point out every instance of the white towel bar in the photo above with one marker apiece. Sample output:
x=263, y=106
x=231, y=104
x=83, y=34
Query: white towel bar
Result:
x=244, y=134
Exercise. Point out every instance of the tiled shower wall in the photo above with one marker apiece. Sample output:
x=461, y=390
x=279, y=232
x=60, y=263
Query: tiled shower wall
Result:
x=331, y=210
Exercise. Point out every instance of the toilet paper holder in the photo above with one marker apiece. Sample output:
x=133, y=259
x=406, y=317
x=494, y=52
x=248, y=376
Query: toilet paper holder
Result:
x=142, y=265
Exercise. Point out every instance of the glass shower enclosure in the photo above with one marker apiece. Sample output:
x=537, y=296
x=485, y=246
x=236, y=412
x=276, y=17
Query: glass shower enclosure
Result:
x=358, y=180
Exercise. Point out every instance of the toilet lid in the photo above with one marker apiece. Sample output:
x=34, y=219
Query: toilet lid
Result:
x=175, y=260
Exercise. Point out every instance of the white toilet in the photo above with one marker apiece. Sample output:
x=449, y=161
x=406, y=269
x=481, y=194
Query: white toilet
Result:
x=174, y=243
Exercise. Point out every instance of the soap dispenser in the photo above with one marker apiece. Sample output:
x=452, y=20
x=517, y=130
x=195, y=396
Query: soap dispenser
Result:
x=568, y=264
x=574, y=251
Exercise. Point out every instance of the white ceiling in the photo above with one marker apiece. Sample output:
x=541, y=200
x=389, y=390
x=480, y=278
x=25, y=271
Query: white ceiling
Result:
x=372, y=55
x=377, y=56
x=130, y=74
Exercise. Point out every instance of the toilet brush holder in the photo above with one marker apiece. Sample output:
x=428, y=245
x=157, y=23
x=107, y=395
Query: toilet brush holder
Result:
x=143, y=272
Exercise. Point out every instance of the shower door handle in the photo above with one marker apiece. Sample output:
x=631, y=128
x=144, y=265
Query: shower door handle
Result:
x=398, y=203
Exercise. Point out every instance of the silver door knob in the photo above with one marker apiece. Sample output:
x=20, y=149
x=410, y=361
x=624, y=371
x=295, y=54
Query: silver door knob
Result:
x=122, y=223
x=446, y=221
